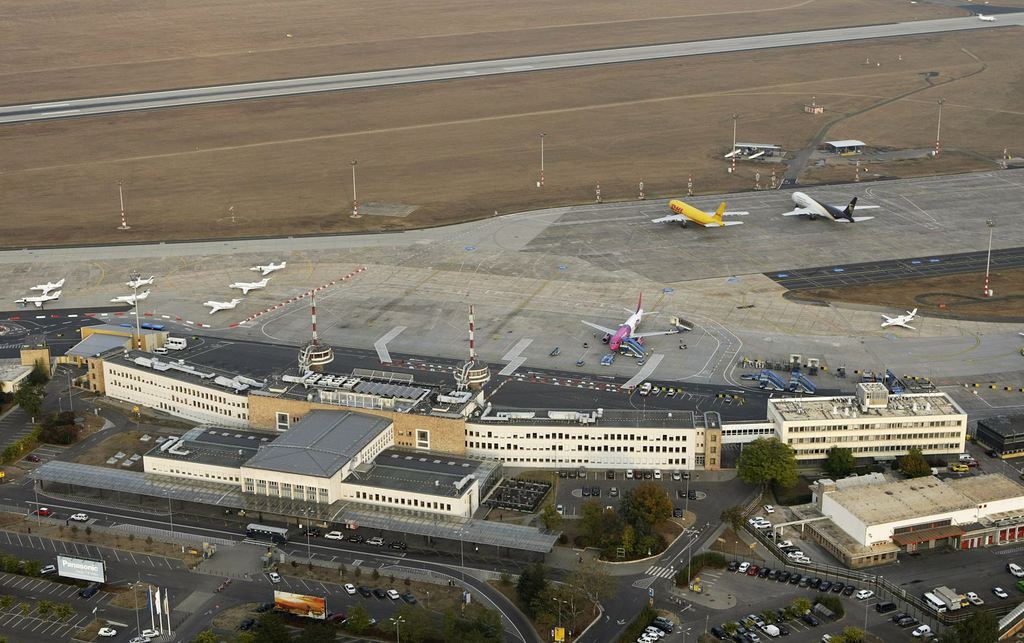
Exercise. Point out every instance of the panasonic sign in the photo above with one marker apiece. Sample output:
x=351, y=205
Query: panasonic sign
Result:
x=82, y=569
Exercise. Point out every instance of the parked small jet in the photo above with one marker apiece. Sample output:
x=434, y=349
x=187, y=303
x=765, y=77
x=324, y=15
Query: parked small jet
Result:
x=902, y=320
x=684, y=213
x=628, y=329
x=814, y=209
x=48, y=286
x=130, y=299
x=269, y=268
x=246, y=286
x=221, y=305
x=138, y=283
x=985, y=18
x=40, y=300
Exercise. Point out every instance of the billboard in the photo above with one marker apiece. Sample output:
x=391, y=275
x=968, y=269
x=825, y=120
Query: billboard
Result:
x=300, y=604
x=82, y=568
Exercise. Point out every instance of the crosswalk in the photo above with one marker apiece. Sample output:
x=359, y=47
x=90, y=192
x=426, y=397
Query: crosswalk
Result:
x=660, y=572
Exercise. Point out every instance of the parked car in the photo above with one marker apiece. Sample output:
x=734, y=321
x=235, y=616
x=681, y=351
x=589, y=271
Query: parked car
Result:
x=376, y=541
x=613, y=492
x=824, y=586
x=380, y=594
x=364, y=592
x=838, y=588
x=393, y=594
x=89, y=591
x=769, y=509
x=795, y=579
x=923, y=630
x=47, y=569
x=335, y=535
x=753, y=570
x=274, y=577
x=743, y=567
x=79, y=517
x=677, y=475
x=350, y=589
x=849, y=590
x=398, y=544
x=810, y=620
x=975, y=599
x=247, y=624
x=1013, y=568
x=32, y=458
x=44, y=511
x=409, y=598
x=907, y=621
x=733, y=565
x=106, y=632
x=356, y=538
x=885, y=607
x=1000, y=592
x=264, y=607
x=313, y=532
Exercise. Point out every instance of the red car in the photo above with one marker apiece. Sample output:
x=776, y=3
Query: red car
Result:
x=43, y=511
x=753, y=570
x=32, y=458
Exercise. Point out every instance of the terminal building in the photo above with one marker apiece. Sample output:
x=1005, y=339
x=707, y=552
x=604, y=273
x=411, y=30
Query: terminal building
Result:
x=1003, y=434
x=869, y=520
x=873, y=424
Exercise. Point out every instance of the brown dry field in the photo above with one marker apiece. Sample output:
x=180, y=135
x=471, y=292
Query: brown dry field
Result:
x=53, y=49
x=466, y=149
x=953, y=296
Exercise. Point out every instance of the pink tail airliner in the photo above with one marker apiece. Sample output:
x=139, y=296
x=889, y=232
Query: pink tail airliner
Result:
x=628, y=329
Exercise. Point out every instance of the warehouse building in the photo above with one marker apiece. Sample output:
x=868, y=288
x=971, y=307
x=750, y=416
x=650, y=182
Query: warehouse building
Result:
x=872, y=424
x=869, y=520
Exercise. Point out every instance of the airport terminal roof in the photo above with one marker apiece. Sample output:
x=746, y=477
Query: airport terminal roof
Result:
x=423, y=472
x=922, y=497
x=97, y=344
x=186, y=371
x=846, y=143
x=1008, y=426
x=611, y=418
x=320, y=444
x=127, y=330
x=846, y=408
x=215, y=446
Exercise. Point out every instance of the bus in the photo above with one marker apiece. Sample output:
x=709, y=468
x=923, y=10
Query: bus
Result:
x=276, y=535
x=934, y=602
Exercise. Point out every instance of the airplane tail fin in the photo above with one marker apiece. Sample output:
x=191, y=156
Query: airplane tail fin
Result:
x=912, y=312
x=720, y=211
x=848, y=212
x=640, y=302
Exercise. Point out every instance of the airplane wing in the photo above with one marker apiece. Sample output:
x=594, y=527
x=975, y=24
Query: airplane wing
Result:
x=859, y=219
x=652, y=334
x=609, y=331
x=737, y=213
x=866, y=207
x=713, y=224
x=796, y=211
x=672, y=218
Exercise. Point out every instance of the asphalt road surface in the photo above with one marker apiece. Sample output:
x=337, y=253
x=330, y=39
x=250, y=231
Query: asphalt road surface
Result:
x=294, y=86
x=870, y=272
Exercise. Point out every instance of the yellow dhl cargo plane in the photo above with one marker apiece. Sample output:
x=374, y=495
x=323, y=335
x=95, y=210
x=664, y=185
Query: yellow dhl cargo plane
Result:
x=682, y=213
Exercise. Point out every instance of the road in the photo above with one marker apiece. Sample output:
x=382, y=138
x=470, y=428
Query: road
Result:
x=294, y=86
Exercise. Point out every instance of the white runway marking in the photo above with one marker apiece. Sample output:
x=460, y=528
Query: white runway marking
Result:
x=381, y=345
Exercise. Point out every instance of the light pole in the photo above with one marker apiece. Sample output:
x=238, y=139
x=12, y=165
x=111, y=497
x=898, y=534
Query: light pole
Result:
x=397, y=621
x=938, y=130
x=988, y=261
x=170, y=514
x=355, y=200
x=540, y=183
x=71, y=402
x=732, y=152
x=559, y=601
x=134, y=278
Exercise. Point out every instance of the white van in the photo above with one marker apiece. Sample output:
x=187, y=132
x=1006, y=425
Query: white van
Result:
x=160, y=351
x=176, y=343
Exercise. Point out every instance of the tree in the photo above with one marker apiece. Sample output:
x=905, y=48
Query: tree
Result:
x=63, y=611
x=839, y=462
x=417, y=626
x=733, y=516
x=628, y=541
x=44, y=608
x=318, y=632
x=981, y=627
x=598, y=527
x=30, y=398
x=6, y=601
x=913, y=465
x=32, y=567
x=645, y=507
x=272, y=629
x=550, y=518
x=592, y=581
x=801, y=605
x=206, y=636
x=849, y=634
x=38, y=376
x=767, y=460
x=532, y=583
x=358, y=619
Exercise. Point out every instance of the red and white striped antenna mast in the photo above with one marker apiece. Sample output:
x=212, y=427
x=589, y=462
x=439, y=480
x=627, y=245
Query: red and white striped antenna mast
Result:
x=124, y=222
x=312, y=309
x=472, y=344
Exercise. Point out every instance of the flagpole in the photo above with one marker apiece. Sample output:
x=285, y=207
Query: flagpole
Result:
x=152, y=614
x=167, y=609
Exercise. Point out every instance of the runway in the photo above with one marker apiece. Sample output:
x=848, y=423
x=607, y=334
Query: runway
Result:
x=77, y=107
x=838, y=276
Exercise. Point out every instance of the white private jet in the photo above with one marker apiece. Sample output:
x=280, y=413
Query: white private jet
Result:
x=813, y=208
x=130, y=299
x=902, y=320
x=48, y=286
x=246, y=286
x=269, y=268
x=40, y=300
x=137, y=283
x=985, y=18
x=221, y=305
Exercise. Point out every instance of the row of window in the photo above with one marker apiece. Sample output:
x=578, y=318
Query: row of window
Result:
x=950, y=446
x=193, y=474
x=865, y=426
x=194, y=391
x=876, y=438
x=608, y=437
x=584, y=461
x=277, y=489
x=403, y=501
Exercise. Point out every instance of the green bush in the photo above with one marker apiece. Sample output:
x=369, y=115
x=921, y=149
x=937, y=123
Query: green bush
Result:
x=700, y=561
x=634, y=629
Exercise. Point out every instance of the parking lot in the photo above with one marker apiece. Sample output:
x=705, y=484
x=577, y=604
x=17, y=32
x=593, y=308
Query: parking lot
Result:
x=756, y=594
x=607, y=487
x=27, y=589
x=48, y=548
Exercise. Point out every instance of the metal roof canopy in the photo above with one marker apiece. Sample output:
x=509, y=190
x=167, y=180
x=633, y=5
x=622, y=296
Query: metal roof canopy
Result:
x=98, y=343
x=480, y=532
x=846, y=143
x=208, y=493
